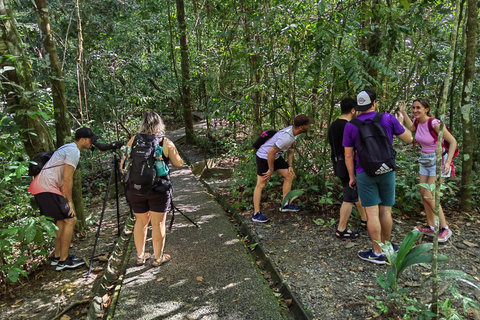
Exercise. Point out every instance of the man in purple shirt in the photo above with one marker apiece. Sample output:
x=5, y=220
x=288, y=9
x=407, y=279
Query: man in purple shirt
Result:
x=377, y=193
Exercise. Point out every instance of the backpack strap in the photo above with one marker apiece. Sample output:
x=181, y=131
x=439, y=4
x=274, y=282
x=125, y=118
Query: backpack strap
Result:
x=431, y=129
x=378, y=117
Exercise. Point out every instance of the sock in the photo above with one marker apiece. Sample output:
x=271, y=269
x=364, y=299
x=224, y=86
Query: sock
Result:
x=377, y=254
x=446, y=228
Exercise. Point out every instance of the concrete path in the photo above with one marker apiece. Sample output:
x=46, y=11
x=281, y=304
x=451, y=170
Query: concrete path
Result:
x=211, y=274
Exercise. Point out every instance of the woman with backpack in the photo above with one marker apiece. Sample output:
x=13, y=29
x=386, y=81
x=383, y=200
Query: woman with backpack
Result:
x=147, y=202
x=426, y=129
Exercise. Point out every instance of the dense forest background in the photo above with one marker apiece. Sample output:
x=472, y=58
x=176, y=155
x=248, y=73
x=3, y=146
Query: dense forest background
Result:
x=248, y=64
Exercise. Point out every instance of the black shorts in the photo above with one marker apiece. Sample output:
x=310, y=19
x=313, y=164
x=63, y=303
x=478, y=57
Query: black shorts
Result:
x=155, y=201
x=53, y=205
x=262, y=165
x=349, y=194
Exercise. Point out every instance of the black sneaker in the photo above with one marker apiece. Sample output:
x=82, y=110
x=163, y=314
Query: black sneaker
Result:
x=69, y=264
x=54, y=261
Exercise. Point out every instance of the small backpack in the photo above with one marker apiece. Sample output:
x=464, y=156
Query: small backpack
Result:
x=141, y=172
x=38, y=162
x=264, y=137
x=374, y=148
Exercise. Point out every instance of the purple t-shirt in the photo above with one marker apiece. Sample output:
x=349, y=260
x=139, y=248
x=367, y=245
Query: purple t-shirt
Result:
x=389, y=122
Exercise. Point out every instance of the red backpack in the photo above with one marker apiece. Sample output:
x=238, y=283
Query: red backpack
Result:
x=445, y=144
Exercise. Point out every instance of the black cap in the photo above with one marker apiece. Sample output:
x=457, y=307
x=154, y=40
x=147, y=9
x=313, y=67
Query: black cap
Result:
x=302, y=120
x=85, y=132
x=365, y=99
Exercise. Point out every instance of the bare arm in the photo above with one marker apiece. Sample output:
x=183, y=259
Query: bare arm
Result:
x=406, y=136
x=408, y=121
x=171, y=152
x=350, y=167
x=68, y=186
x=447, y=136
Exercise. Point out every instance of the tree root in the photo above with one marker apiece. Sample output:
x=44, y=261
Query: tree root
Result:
x=71, y=306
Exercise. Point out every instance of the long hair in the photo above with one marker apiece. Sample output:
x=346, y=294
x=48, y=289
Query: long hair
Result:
x=425, y=104
x=152, y=123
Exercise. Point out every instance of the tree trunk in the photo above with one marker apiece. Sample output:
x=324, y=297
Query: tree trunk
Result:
x=466, y=108
x=62, y=124
x=185, y=65
x=18, y=90
x=442, y=109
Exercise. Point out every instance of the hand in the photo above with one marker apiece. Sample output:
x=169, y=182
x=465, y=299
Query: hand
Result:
x=267, y=175
x=446, y=168
x=291, y=172
x=353, y=182
x=400, y=117
x=402, y=106
x=71, y=213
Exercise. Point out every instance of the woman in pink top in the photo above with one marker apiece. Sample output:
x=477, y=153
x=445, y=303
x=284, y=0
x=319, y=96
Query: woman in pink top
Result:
x=421, y=110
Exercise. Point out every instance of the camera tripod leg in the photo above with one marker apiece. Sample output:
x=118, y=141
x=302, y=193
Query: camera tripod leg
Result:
x=101, y=220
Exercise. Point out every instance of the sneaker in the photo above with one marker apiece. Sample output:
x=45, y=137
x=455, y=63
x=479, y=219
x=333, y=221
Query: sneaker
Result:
x=289, y=207
x=69, y=264
x=444, y=234
x=370, y=256
x=395, y=247
x=427, y=230
x=259, y=217
x=54, y=261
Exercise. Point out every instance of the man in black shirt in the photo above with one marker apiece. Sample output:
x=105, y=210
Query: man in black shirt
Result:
x=350, y=196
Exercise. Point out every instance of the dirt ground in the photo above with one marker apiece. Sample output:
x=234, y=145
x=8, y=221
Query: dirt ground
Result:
x=323, y=271
x=47, y=292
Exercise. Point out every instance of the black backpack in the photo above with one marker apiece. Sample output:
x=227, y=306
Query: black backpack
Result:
x=141, y=175
x=264, y=137
x=375, y=150
x=38, y=161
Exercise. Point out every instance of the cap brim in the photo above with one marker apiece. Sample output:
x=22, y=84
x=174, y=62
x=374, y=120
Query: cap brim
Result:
x=363, y=108
x=94, y=137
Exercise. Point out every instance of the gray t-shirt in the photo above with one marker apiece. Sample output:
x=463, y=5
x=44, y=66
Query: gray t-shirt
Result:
x=50, y=179
x=283, y=140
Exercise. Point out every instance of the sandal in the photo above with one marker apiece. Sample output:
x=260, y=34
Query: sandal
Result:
x=347, y=234
x=164, y=259
x=141, y=260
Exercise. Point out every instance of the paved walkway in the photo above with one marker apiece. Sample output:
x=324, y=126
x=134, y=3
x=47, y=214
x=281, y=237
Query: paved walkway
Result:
x=211, y=274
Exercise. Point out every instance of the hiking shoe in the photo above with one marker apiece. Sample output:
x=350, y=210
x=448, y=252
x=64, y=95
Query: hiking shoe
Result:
x=427, y=230
x=69, y=264
x=259, y=217
x=54, y=261
x=289, y=207
x=444, y=234
x=370, y=256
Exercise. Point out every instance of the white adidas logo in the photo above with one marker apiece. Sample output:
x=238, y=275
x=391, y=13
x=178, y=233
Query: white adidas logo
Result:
x=383, y=169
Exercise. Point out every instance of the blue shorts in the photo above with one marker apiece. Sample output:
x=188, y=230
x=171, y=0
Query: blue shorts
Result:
x=432, y=171
x=376, y=190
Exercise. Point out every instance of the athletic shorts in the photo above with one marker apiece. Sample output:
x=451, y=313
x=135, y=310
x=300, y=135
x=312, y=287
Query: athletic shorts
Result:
x=376, y=190
x=155, y=201
x=262, y=165
x=432, y=171
x=53, y=205
x=350, y=195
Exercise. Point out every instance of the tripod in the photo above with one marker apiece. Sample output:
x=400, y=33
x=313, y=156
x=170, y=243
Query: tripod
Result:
x=113, y=173
x=173, y=207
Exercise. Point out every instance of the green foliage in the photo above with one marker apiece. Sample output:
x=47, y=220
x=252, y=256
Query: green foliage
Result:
x=407, y=256
x=23, y=244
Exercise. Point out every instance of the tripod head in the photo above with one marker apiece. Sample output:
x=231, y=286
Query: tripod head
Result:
x=106, y=146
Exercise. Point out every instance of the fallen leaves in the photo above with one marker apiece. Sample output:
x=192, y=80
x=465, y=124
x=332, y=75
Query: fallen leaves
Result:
x=199, y=278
